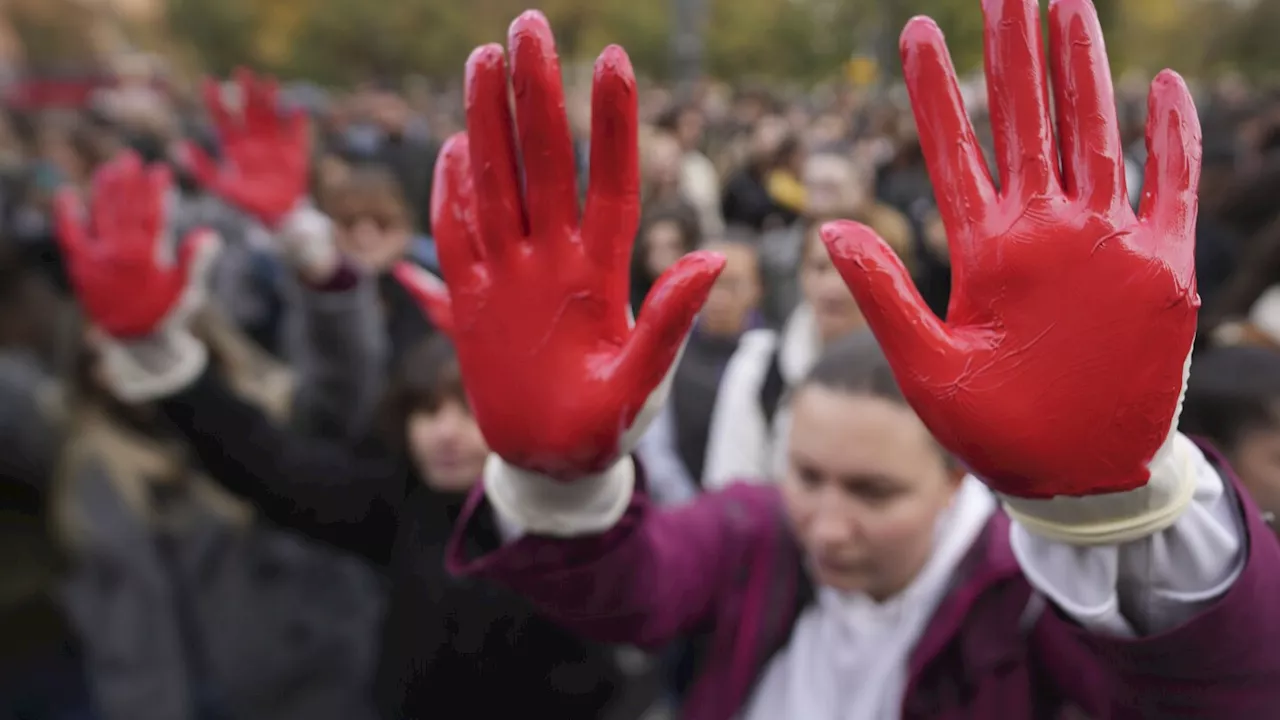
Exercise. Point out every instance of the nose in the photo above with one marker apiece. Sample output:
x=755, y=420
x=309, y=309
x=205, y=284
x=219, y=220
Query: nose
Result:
x=833, y=524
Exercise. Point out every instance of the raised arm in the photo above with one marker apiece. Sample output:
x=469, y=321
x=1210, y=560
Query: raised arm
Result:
x=1058, y=374
x=140, y=292
x=561, y=382
x=334, y=333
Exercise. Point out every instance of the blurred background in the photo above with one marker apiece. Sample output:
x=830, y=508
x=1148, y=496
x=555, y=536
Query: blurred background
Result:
x=761, y=118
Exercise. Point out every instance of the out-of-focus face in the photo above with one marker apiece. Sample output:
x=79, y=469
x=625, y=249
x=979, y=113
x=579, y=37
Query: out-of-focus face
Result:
x=663, y=246
x=372, y=228
x=736, y=292
x=663, y=158
x=833, y=186
x=446, y=446
x=834, y=308
x=864, y=488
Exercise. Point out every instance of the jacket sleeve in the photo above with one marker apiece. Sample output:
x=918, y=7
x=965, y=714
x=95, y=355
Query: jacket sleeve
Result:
x=335, y=336
x=652, y=576
x=1185, y=620
x=320, y=488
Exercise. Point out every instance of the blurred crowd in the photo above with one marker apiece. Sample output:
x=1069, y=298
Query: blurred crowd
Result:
x=269, y=543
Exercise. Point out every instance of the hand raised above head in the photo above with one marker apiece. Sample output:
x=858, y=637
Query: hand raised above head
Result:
x=127, y=274
x=537, y=299
x=266, y=150
x=1061, y=364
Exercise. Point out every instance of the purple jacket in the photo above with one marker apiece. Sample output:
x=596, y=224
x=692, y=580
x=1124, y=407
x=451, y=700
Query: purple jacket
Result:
x=727, y=566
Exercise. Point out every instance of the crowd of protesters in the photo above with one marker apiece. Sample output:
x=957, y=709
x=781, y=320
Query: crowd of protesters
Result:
x=269, y=541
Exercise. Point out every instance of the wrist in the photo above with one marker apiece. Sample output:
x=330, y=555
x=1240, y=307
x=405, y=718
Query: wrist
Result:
x=542, y=505
x=154, y=367
x=306, y=240
x=1114, y=518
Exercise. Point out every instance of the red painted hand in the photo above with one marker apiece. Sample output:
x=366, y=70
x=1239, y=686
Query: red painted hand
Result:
x=121, y=264
x=554, y=371
x=267, y=151
x=1060, y=367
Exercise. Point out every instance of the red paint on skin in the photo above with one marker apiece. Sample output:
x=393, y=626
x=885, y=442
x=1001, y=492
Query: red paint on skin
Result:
x=267, y=153
x=1059, y=366
x=537, y=295
x=113, y=260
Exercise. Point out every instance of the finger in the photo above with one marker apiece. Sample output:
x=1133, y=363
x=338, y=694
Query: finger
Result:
x=198, y=162
x=1018, y=98
x=612, y=213
x=223, y=121
x=907, y=329
x=493, y=164
x=665, y=319
x=957, y=169
x=110, y=204
x=546, y=147
x=258, y=98
x=1169, y=199
x=1092, y=157
x=453, y=208
x=429, y=292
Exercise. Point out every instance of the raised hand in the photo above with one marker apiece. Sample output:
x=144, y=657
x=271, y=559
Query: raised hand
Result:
x=129, y=277
x=1061, y=364
x=266, y=150
x=537, y=295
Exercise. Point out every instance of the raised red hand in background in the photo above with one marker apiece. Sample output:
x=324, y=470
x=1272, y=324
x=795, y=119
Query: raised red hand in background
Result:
x=128, y=276
x=1060, y=367
x=537, y=294
x=266, y=150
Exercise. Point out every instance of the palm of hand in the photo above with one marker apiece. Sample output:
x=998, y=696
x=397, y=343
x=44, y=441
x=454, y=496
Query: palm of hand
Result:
x=537, y=295
x=1060, y=366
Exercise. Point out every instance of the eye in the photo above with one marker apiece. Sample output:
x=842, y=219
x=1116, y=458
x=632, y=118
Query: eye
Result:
x=809, y=477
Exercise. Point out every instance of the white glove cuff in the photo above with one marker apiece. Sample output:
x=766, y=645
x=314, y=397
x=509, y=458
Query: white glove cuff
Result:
x=307, y=242
x=143, y=370
x=541, y=505
x=1116, y=518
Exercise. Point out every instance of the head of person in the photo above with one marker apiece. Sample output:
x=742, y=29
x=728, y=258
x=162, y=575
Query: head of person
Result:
x=865, y=483
x=370, y=216
x=834, y=185
x=431, y=414
x=834, y=308
x=668, y=231
x=1233, y=400
x=736, y=294
x=660, y=164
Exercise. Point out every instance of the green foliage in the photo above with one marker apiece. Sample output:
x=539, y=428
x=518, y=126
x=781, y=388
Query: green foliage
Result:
x=343, y=41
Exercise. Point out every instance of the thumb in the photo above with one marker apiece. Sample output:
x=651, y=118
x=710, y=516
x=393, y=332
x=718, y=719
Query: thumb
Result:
x=202, y=167
x=665, y=318
x=430, y=293
x=905, y=327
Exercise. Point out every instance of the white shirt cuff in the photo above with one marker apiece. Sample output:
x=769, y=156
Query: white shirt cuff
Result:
x=1148, y=585
x=527, y=502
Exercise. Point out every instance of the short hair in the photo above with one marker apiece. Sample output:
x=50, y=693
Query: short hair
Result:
x=855, y=364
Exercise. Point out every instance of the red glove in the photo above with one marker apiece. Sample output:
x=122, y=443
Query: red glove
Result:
x=121, y=264
x=554, y=371
x=267, y=152
x=1061, y=364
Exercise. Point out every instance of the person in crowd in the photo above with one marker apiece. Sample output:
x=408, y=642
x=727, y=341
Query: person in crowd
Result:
x=675, y=447
x=749, y=421
x=153, y=542
x=882, y=577
x=447, y=642
x=699, y=181
x=1231, y=401
x=668, y=232
x=746, y=199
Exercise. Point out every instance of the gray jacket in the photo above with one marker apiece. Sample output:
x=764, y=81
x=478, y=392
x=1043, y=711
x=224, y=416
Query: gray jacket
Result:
x=191, y=610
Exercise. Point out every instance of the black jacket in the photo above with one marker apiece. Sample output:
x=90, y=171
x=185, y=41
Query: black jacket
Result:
x=453, y=647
